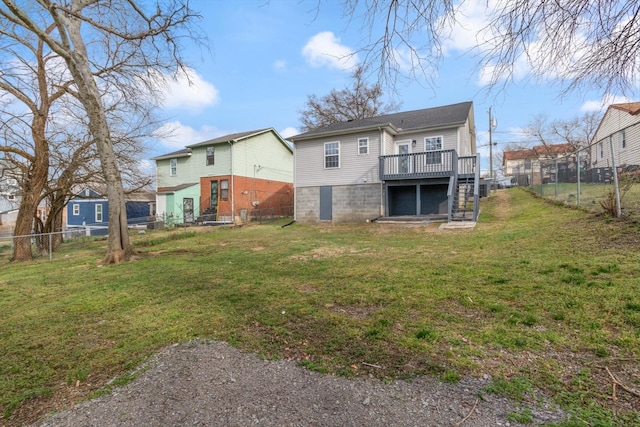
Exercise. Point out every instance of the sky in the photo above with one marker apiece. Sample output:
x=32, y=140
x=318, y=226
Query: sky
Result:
x=263, y=58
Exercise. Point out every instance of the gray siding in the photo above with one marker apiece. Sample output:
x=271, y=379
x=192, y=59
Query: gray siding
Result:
x=351, y=203
x=354, y=168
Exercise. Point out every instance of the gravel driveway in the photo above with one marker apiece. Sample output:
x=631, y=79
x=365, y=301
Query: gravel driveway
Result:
x=213, y=384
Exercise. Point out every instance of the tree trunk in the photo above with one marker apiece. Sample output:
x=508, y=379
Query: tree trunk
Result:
x=118, y=245
x=34, y=181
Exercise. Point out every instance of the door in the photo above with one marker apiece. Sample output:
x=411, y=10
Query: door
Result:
x=403, y=160
x=187, y=209
x=326, y=209
x=214, y=195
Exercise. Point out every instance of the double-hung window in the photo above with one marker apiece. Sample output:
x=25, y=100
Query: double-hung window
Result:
x=98, y=213
x=331, y=155
x=432, y=147
x=600, y=150
x=363, y=146
x=224, y=189
x=173, y=167
x=76, y=209
x=623, y=139
x=211, y=155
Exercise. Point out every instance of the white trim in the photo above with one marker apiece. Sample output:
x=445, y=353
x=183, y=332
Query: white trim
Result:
x=76, y=209
x=366, y=139
x=100, y=213
x=324, y=157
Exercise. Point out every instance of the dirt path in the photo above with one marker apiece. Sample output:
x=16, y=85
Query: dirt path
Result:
x=214, y=384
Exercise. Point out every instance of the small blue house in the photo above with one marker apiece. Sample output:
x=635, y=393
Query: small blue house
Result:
x=90, y=209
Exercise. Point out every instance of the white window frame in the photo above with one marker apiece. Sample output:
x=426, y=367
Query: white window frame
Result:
x=622, y=138
x=12, y=182
x=601, y=150
x=99, y=212
x=76, y=209
x=173, y=167
x=433, y=158
x=363, y=143
x=331, y=155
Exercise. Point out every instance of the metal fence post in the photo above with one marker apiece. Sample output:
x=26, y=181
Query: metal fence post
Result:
x=578, y=177
x=615, y=179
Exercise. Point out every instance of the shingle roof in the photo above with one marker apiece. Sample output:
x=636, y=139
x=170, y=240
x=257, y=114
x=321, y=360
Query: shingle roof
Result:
x=229, y=137
x=176, y=188
x=632, y=108
x=180, y=153
x=417, y=119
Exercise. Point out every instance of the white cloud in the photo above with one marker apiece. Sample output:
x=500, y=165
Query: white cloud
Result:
x=324, y=50
x=601, y=105
x=467, y=33
x=289, y=131
x=190, y=92
x=175, y=135
x=280, y=64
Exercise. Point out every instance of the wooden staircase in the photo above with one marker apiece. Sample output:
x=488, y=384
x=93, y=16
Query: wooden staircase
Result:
x=464, y=206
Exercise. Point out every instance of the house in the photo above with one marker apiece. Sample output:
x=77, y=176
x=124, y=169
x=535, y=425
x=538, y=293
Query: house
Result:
x=416, y=164
x=9, y=203
x=90, y=209
x=526, y=166
x=617, y=140
x=226, y=179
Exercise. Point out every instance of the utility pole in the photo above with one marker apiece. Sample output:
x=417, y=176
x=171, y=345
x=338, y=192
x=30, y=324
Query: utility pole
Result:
x=492, y=124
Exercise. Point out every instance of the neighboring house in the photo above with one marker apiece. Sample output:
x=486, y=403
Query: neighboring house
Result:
x=9, y=203
x=529, y=166
x=420, y=163
x=617, y=139
x=90, y=209
x=226, y=179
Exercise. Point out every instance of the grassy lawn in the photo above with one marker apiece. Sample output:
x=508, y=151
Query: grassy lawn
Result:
x=536, y=296
x=590, y=196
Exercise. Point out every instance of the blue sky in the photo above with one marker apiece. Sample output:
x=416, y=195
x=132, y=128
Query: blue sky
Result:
x=266, y=57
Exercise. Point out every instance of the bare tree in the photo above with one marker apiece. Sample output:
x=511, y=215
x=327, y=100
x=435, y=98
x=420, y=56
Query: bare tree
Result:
x=583, y=43
x=114, y=41
x=359, y=101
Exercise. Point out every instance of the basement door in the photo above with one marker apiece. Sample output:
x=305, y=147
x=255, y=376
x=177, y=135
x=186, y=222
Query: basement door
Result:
x=326, y=207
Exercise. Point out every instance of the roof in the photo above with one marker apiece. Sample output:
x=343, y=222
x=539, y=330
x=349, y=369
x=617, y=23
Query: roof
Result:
x=140, y=196
x=632, y=108
x=230, y=137
x=176, y=188
x=539, y=151
x=185, y=152
x=448, y=115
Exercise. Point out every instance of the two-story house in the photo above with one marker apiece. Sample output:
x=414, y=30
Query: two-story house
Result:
x=617, y=139
x=226, y=179
x=420, y=164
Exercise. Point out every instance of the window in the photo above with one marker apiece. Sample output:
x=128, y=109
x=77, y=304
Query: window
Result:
x=12, y=182
x=173, y=167
x=600, y=150
x=363, y=146
x=224, y=189
x=211, y=155
x=432, y=146
x=76, y=209
x=527, y=164
x=623, y=139
x=98, y=213
x=331, y=155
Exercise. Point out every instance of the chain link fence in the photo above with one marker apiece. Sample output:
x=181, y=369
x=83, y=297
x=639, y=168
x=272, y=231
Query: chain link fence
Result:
x=602, y=178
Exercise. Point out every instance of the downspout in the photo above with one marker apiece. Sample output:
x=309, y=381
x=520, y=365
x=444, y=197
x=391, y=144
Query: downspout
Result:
x=295, y=198
x=232, y=189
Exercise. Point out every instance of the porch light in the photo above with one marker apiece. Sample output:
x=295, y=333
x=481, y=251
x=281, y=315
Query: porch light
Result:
x=413, y=143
